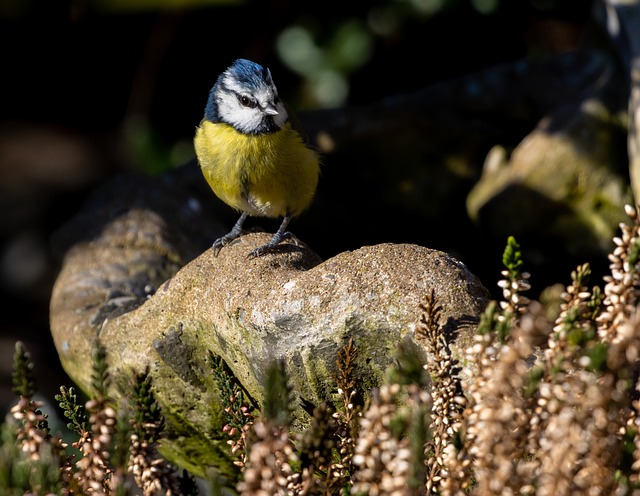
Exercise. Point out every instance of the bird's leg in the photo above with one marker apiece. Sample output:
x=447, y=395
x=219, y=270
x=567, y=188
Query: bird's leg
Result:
x=280, y=235
x=230, y=236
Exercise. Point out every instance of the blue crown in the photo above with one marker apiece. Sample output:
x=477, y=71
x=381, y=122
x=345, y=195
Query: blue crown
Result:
x=246, y=73
x=249, y=73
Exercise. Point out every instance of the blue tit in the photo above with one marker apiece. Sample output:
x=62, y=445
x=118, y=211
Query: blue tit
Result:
x=250, y=154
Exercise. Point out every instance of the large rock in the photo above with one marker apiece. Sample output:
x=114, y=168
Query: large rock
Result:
x=287, y=305
x=566, y=182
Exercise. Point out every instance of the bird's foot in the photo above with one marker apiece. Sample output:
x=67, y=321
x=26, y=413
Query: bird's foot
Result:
x=272, y=244
x=224, y=241
x=230, y=236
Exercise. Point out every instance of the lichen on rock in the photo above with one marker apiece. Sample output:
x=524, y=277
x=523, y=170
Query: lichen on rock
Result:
x=288, y=305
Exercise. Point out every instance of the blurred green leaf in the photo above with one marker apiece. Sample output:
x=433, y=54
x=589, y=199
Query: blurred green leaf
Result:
x=298, y=51
x=485, y=6
x=147, y=151
x=351, y=47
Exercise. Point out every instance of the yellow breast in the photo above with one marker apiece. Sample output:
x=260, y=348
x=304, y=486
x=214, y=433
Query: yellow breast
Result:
x=269, y=175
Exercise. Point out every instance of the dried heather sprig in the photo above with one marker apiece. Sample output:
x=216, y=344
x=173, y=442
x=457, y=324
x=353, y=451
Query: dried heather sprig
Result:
x=35, y=441
x=576, y=321
x=240, y=420
x=622, y=360
x=389, y=454
x=573, y=329
x=30, y=420
x=619, y=324
x=480, y=357
x=576, y=427
x=448, y=401
x=383, y=455
x=20, y=474
x=347, y=417
x=32, y=426
x=579, y=448
x=500, y=417
x=268, y=469
x=93, y=471
x=633, y=427
x=318, y=472
x=151, y=472
x=622, y=289
x=346, y=365
x=33, y=429
x=497, y=414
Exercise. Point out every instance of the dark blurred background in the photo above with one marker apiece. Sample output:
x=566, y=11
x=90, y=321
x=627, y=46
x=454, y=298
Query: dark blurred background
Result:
x=91, y=88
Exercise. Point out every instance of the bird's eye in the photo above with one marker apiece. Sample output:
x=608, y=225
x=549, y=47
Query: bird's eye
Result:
x=246, y=101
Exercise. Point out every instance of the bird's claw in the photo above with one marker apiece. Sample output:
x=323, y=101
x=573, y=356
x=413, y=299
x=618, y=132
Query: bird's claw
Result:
x=222, y=242
x=271, y=245
x=217, y=246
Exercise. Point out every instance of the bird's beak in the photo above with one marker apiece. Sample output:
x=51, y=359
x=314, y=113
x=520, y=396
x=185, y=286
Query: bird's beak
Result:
x=270, y=109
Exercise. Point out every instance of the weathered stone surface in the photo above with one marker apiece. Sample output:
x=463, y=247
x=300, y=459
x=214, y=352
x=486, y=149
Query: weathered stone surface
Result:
x=286, y=305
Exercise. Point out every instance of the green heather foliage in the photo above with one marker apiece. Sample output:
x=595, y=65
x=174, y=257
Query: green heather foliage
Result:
x=22, y=376
x=512, y=258
x=76, y=413
x=237, y=407
x=278, y=397
x=536, y=406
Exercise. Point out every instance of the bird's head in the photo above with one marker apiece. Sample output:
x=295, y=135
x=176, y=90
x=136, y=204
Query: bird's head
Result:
x=245, y=97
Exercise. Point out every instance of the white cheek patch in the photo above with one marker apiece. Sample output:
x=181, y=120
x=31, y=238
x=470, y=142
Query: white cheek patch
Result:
x=242, y=118
x=247, y=119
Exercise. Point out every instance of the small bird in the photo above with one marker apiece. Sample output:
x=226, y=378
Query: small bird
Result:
x=250, y=153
